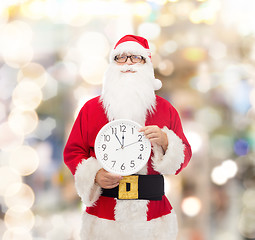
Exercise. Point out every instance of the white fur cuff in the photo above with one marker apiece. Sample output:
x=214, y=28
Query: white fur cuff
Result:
x=85, y=181
x=174, y=155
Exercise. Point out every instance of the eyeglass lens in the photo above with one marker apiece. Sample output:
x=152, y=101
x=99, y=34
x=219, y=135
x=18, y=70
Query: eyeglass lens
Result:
x=133, y=58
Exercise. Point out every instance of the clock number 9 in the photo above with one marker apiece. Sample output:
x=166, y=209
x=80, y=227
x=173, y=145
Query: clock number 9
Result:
x=104, y=146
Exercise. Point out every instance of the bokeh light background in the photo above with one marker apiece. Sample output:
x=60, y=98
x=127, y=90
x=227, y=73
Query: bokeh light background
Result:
x=53, y=54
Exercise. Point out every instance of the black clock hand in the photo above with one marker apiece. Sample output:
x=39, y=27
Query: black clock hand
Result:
x=123, y=139
x=118, y=140
x=122, y=145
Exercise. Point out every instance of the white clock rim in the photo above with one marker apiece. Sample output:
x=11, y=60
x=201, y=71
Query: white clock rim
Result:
x=105, y=166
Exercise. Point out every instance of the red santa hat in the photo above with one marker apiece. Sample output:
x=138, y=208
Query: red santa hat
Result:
x=135, y=45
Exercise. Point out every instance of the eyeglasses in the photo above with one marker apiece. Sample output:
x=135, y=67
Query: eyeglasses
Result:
x=133, y=58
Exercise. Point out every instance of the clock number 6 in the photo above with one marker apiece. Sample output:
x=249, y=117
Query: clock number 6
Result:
x=122, y=167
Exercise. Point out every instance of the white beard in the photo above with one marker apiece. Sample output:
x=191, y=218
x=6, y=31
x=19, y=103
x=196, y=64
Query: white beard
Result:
x=129, y=95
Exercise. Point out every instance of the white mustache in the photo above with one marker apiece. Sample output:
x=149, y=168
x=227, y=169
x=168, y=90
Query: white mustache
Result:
x=131, y=68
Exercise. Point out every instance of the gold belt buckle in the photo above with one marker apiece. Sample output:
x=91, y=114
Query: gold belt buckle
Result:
x=130, y=192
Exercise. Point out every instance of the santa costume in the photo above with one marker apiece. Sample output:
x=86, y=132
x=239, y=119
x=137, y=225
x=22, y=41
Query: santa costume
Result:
x=130, y=96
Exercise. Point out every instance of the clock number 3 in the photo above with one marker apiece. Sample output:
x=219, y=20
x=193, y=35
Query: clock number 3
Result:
x=141, y=147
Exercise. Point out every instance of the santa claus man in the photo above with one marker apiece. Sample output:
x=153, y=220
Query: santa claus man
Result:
x=128, y=93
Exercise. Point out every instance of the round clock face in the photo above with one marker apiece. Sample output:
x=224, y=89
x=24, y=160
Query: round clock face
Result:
x=121, y=148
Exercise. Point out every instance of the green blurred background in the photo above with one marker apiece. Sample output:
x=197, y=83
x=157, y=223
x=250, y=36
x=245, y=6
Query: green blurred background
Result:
x=53, y=54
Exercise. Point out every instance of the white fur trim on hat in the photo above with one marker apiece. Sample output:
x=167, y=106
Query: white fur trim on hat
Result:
x=170, y=162
x=85, y=181
x=132, y=48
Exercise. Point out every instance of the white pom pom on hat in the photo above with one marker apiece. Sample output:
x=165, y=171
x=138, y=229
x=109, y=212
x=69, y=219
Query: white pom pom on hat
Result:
x=135, y=45
x=157, y=84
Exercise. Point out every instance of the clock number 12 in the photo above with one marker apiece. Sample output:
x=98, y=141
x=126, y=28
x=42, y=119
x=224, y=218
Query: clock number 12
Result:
x=122, y=128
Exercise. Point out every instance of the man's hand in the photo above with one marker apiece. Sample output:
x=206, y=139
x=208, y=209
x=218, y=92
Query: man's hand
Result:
x=155, y=135
x=107, y=180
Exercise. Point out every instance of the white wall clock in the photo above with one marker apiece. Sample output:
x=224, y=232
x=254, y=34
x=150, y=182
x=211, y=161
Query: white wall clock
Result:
x=121, y=148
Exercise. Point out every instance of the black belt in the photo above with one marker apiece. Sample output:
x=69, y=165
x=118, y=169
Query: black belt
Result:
x=149, y=187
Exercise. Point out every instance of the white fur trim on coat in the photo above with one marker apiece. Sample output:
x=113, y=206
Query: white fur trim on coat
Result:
x=85, y=181
x=163, y=228
x=171, y=161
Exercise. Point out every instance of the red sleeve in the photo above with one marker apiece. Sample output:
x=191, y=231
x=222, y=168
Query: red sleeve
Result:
x=77, y=147
x=177, y=128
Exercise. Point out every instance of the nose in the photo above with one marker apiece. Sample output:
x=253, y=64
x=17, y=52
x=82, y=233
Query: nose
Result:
x=129, y=62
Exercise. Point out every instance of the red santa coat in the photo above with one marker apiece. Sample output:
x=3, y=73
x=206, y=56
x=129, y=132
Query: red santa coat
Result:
x=79, y=156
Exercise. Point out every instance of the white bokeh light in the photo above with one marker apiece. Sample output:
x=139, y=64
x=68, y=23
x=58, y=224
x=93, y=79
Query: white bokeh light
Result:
x=17, y=233
x=8, y=176
x=92, y=44
x=22, y=122
x=15, y=41
x=9, y=139
x=25, y=160
x=19, y=194
x=219, y=176
x=230, y=167
x=191, y=206
x=19, y=217
x=195, y=140
x=33, y=72
x=150, y=31
x=27, y=95
x=222, y=173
